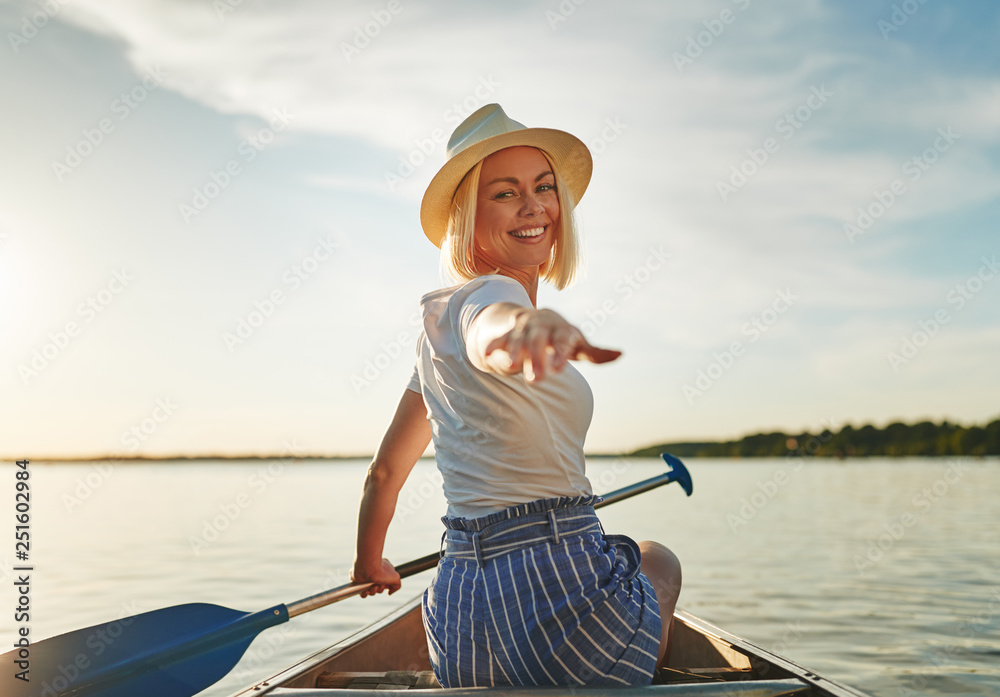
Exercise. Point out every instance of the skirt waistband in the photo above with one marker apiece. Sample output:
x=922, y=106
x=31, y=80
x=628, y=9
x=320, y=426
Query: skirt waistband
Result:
x=520, y=510
x=545, y=520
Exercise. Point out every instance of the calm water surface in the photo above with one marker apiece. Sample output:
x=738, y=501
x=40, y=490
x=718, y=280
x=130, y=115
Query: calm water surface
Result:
x=881, y=574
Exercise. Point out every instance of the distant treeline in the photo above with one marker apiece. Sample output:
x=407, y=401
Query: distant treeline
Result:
x=895, y=440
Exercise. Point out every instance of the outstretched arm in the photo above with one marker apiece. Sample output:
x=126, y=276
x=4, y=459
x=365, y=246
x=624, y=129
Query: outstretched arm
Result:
x=506, y=338
x=402, y=445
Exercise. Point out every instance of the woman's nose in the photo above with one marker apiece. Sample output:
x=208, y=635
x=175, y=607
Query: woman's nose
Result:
x=532, y=206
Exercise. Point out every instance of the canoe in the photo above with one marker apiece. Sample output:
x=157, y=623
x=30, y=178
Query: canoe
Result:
x=390, y=656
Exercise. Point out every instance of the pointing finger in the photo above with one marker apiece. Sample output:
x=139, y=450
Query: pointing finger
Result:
x=596, y=355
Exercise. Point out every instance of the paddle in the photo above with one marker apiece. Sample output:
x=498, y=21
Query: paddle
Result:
x=179, y=651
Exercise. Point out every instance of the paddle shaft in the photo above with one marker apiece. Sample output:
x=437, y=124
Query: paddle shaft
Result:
x=348, y=589
x=429, y=561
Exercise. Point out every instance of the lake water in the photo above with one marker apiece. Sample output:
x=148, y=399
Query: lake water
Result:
x=883, y=574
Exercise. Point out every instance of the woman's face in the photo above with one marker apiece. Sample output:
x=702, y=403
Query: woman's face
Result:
x=517, y=209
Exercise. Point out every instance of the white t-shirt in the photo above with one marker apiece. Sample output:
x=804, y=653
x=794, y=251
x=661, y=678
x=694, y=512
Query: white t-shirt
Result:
x=499, y=440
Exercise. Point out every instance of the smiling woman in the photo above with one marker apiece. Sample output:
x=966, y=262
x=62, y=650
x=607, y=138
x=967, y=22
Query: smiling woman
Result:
x=495, y=388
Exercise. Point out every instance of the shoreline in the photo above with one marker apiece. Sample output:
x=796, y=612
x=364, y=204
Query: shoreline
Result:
x=895, y=440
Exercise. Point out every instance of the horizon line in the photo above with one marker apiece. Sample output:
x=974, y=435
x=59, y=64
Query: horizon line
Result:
x=322, y=456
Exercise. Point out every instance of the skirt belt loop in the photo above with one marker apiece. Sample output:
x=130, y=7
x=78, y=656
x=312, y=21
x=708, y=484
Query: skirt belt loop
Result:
x=478, y=549
x=555, y=526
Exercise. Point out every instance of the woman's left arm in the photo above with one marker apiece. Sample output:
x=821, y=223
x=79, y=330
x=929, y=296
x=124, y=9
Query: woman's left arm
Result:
x=404, y=442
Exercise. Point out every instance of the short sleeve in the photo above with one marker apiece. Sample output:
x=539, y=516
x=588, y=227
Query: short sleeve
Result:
x=448, y=314
x=483, y=292
x=414, y=384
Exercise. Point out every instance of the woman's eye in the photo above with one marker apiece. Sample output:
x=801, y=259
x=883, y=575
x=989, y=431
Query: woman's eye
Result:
x=508, y=194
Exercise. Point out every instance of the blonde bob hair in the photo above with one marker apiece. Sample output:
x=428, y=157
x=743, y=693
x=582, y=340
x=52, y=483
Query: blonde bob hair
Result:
x=458, y=251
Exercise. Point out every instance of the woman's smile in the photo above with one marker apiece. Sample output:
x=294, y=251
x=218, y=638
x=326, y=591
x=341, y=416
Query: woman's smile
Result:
x=532, y=233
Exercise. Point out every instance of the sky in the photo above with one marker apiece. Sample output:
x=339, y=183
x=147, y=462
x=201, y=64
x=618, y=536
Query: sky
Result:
x=210, y=242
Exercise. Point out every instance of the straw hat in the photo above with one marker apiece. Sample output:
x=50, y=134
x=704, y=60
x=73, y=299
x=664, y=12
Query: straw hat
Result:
x=483, y=133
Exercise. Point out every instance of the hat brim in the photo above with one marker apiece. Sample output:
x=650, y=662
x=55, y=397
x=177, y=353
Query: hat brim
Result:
x=570, y=156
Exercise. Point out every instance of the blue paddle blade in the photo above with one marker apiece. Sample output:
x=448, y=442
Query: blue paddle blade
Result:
x=173, y=652
x=679, y=473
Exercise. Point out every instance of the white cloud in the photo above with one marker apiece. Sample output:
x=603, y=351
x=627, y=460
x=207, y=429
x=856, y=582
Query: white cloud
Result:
x=655, y=183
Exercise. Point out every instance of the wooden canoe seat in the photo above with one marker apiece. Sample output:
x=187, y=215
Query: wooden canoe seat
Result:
x=667, y=676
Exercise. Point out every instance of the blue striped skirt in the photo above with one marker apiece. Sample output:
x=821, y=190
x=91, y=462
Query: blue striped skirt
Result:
x=537, y=594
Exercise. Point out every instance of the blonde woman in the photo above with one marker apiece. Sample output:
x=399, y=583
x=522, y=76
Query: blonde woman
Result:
x=529, y=590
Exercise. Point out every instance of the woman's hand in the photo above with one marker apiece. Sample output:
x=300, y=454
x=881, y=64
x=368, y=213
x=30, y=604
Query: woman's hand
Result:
x=382, y=578
x=539, y=341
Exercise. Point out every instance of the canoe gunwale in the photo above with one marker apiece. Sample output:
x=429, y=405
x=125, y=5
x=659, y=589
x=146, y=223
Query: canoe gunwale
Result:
x=789, y=687
x=268, y=685
x=781, y=683
x=832, y=687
